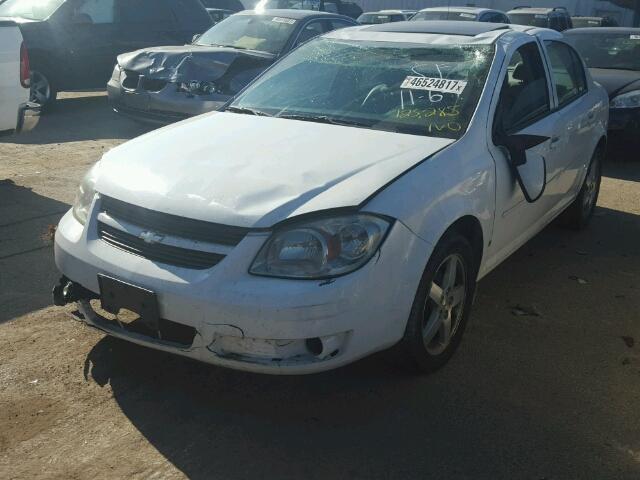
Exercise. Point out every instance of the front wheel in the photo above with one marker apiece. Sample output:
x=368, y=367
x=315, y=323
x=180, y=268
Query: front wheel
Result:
x=578, y=214
x=441, y=306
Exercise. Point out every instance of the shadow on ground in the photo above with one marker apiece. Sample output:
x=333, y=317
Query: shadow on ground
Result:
x=27, y=268
x=80, y=118
x=540, y=396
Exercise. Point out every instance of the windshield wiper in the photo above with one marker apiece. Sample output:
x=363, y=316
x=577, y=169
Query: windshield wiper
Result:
x=248, y=111
x=325, y=119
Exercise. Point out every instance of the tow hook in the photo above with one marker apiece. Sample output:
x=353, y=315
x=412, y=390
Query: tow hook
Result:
x=66, y=291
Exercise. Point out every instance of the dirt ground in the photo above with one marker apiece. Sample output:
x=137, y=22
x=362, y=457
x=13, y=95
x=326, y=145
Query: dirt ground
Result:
x=546, y=384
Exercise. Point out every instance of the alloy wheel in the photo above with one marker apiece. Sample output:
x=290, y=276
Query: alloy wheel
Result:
x=444, y=305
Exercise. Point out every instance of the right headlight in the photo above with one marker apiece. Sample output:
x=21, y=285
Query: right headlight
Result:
x=626, y=100
x=321, y=248
x=84, y=195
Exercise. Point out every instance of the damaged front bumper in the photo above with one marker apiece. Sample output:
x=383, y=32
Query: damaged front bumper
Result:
x=162, y=106
x=227, y=317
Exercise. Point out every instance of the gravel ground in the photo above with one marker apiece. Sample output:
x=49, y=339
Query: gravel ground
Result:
x=546, y=384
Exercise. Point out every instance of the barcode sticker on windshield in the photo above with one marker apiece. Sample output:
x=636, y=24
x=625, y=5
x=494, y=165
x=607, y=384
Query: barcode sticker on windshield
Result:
x=635, y=37
x=290, y=21
x=434, y=84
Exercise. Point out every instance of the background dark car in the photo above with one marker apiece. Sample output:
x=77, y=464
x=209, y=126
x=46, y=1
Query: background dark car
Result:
x=613, y=57
x=73, y=44
x=166, y=84
x=557, y=18
x=350, y=9
x=585, y=22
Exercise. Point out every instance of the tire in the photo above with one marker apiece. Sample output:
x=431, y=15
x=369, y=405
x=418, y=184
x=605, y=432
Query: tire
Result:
x=43, y=92
x=426, y=347
x=578, y=214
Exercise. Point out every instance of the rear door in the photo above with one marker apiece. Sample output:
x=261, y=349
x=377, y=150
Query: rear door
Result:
x=576, y=119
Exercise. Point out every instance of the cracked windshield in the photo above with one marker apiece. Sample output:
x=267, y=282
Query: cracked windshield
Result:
x=417, y=89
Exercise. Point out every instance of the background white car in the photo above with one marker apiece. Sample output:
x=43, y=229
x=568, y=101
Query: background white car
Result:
x=14, y=76
x=347, y=201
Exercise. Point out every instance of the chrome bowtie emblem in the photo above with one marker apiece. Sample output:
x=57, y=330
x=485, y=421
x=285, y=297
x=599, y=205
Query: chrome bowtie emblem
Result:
x=151, y=237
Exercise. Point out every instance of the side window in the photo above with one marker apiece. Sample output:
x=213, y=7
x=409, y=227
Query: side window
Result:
x=487, y=17
x=524, y=96
x=554, y=23
x=145, y=11
x=95, y=11
x=568, y=72
x=504, y=19
x=310, y=30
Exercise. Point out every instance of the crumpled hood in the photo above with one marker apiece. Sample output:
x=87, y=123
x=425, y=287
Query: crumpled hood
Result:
x=191, y=62
x=253, y=171
x=616, y=81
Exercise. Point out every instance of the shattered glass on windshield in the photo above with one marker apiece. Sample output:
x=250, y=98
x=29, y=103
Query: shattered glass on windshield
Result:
x=417, y=89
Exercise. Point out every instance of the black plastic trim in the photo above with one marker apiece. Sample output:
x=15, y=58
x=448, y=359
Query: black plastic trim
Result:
x=173, y=224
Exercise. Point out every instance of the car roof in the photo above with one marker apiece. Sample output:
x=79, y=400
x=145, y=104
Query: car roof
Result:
x=537, y=10
x=385, y=12
x=293, y=14
x=602, y=30
x=477, y=10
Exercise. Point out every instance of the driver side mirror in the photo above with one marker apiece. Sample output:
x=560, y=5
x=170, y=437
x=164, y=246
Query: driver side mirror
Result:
x=530, y=170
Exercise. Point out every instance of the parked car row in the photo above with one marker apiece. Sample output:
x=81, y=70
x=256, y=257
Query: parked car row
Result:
x=345, y=202
x=557, y=18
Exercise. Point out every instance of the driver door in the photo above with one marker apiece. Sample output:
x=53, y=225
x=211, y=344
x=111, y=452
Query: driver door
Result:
x=525, y=150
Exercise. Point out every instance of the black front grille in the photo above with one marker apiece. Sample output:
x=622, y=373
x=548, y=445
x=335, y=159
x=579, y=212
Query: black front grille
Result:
x=173, y=224
x=158, y=252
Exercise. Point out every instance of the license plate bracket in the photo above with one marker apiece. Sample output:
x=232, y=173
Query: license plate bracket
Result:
x=116, y=295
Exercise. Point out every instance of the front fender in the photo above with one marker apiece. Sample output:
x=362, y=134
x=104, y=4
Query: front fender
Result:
x=459, y=181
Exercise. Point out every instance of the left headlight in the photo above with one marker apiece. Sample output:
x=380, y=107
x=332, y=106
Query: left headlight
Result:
x=322, y=248
x=626, y=100
x=84, y=196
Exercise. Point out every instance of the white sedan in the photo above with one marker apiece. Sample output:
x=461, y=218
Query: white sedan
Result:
x=346, y=202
